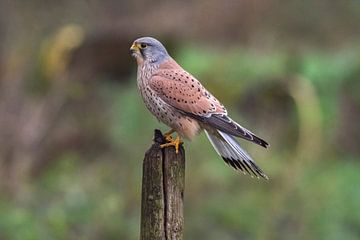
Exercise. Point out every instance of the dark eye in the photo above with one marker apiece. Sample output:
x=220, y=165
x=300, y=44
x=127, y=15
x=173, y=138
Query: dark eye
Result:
x=143, y=45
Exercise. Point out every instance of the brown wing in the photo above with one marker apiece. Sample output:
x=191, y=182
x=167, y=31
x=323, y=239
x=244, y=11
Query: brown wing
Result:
x=182, y=91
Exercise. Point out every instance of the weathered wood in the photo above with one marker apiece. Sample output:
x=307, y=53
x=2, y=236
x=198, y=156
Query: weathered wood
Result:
x=162, y=192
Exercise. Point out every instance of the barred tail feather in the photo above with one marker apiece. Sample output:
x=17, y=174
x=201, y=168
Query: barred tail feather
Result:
x=229, y=149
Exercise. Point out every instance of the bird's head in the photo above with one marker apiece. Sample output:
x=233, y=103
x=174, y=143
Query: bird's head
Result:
x=148, y=49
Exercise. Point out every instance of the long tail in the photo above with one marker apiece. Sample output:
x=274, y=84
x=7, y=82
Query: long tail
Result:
x=229, y=149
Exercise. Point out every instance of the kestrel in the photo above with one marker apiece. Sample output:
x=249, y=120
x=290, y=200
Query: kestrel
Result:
x=179, y=100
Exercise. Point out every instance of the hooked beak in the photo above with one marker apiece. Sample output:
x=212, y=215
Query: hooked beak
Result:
x=134, y=49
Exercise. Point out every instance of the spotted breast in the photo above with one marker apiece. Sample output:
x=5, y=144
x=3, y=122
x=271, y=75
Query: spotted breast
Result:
x=164, y=112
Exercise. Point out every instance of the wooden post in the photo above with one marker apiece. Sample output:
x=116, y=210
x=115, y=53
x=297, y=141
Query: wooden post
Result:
x=162, y=201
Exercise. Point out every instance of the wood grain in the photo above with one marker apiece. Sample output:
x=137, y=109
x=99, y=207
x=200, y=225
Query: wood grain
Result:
x=162, y=202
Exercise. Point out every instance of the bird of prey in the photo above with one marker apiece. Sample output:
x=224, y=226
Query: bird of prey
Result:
x=179, y=100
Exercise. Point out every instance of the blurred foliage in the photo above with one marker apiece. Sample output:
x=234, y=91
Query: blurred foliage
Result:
x=73, y=129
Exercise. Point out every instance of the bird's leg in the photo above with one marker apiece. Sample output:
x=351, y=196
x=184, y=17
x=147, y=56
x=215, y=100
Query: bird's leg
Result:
x=168, y=136
x=176, y=143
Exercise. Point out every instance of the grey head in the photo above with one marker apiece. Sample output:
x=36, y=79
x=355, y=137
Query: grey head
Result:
x=149, y=49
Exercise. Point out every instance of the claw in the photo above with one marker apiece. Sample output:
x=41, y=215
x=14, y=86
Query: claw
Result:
x=176, y=143
x=168, y=136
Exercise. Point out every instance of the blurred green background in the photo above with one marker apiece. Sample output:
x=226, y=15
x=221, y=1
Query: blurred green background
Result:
x=73, y=129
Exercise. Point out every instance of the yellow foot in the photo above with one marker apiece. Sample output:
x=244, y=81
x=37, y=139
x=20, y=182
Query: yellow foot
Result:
x=176, y=143
x=168, y=136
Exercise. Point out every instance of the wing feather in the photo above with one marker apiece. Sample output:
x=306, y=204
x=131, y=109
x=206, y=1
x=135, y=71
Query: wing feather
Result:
x=184, y=92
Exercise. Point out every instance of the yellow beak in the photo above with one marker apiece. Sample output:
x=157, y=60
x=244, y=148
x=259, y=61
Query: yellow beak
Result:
x=134, y=47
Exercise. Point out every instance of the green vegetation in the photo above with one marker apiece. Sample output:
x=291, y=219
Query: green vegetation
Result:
x=313, y=189
x=74, y=130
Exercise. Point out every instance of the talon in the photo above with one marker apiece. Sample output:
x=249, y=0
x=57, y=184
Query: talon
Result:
x=168, y=136
x=176, y=143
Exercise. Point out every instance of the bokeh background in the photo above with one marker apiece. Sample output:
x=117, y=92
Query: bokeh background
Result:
x=73, y=129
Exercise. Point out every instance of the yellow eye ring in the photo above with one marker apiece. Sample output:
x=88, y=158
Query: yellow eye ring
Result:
x=143, y=45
